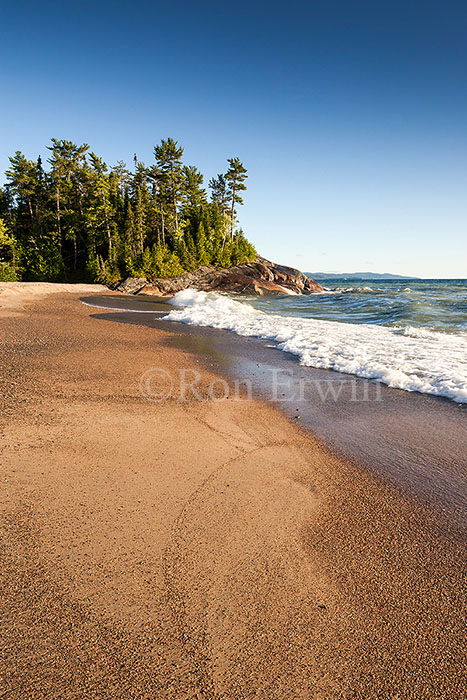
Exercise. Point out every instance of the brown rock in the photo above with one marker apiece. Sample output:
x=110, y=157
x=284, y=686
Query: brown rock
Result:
x=260, y=277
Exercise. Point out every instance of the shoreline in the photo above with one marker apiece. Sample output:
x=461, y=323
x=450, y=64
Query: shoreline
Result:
x=415, y=442
x=210, y=548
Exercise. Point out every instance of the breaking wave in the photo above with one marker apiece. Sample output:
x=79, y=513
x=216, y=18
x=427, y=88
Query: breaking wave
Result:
x=409, y=358
x=355, y=290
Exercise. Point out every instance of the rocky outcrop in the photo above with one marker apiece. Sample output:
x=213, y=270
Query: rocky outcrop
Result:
x=260, y=277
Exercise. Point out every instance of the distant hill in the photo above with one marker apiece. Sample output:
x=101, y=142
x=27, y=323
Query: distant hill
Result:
x=357, y=276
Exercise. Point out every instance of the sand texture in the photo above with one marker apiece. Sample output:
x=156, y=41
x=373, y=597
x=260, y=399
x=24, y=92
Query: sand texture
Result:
x=198, y=549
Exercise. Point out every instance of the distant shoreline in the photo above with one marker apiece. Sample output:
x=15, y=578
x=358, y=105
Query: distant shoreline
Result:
x=358, y=276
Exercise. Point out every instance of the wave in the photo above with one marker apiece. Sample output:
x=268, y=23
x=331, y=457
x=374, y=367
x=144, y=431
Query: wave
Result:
x=405, y=358
x=115, y=308
x=365, y=290
x=355, y=290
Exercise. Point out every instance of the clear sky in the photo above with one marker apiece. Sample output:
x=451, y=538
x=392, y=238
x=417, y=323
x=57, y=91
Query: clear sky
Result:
x=351, y=117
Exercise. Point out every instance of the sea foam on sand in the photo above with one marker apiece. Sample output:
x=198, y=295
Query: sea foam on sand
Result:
x=410, y=358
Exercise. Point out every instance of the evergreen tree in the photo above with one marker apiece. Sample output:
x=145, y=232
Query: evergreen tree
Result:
x=22, y=179
x=157, y=178
x=66, y=160
x=169, y=159
x=82, y=219
x=219, y=193
x=193, y=194
x=235, y=179
x=7, y=255
x=99, y=210
x=203, y=254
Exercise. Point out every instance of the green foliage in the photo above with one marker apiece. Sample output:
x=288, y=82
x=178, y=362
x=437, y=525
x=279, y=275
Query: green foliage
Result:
x=42, y=263
x=81, y=219
x=7, y=272
x=93, y=270
x=159, y=261
x=6, y=243
x=203, y=249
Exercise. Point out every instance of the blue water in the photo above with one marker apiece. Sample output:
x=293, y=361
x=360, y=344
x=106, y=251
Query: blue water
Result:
x=433, y=304
x=410, y=336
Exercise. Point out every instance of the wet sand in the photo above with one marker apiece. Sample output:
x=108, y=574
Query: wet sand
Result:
x=203, y=549
x=416, y=442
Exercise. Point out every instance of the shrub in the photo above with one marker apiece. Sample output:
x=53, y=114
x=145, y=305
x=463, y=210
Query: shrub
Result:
x=7, y=273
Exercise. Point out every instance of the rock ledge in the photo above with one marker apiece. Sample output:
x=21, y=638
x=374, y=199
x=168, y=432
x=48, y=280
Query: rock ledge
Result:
x=260, y=277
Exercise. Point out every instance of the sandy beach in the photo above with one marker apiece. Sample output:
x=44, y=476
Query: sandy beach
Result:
x=198, y=549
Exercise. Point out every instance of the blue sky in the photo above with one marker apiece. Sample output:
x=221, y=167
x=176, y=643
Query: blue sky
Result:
x=350, y=117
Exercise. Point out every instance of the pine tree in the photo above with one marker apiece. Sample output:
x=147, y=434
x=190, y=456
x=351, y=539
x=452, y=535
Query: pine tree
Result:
x=7, y=256
x=219, y=193
x=123, y=176
x=81, y=219
x=67, y=159
x=158, y=178
x=99, y=211
x=235, y=178
x=169, y=159
x=202, y=253
x=25, y=197
x=193, y=193
x=22, y=179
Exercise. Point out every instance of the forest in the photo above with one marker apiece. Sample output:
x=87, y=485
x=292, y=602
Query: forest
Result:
x=77, y=219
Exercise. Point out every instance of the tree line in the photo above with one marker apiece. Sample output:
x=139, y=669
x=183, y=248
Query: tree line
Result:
x=79, y=219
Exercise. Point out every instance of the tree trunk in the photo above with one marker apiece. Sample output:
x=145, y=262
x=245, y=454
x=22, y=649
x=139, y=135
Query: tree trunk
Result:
x=107, y=230
x=232, y=215
x=59, y=230
x=59, y=224
x=175, y=210
x=223, y=240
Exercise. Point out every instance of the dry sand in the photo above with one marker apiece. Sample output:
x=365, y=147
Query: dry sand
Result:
x=14, y=296
x=190, y=550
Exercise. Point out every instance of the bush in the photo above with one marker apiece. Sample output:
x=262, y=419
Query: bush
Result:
x=42, y=263
x=159, y=261
x=7, y=273
x=92, y=269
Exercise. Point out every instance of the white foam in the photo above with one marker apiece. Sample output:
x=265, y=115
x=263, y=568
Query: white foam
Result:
x=289, y=292
x=409, y=358
x=114, y=308
x=351, y=290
